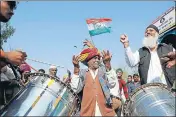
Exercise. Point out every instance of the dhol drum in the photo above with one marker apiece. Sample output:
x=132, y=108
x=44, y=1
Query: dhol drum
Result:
x=153, y=99
x=43, y=96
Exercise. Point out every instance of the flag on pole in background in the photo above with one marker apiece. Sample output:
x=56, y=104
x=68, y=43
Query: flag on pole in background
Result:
x=98, y=26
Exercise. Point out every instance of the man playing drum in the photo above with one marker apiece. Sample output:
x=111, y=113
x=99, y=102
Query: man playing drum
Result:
x=13, y=57
x=6, y=12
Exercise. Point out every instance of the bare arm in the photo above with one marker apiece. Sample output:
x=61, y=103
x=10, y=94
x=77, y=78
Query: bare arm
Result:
x=76, y=82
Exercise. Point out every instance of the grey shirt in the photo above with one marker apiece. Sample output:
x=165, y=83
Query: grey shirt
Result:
x=132, y=86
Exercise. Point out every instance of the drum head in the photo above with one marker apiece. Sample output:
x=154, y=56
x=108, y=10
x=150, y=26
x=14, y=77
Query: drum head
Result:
x=43, y=95
x=153, y=99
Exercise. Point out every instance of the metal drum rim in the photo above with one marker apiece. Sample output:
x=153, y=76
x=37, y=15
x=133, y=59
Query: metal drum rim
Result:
x=55, y=78
x=142, y=87
x=45, y=75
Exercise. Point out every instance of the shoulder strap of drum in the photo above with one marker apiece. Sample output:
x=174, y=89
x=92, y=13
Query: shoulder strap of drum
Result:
x=12, y=67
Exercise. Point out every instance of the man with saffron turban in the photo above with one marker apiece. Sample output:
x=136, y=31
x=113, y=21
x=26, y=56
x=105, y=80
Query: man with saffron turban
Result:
x=99, y=84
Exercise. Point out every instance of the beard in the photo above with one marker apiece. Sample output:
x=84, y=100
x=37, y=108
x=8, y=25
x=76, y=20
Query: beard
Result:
x=150, y=41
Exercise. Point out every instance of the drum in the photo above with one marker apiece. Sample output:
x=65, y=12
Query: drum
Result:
x=153, y=99
x=43, y=96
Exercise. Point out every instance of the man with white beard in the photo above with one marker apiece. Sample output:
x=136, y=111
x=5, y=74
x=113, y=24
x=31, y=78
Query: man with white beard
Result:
x=152, y=67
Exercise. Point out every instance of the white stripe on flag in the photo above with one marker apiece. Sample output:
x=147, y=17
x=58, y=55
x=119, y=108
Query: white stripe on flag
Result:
x=97, y=25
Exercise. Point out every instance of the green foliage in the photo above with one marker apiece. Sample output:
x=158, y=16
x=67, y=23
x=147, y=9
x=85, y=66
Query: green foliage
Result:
x=6, y=32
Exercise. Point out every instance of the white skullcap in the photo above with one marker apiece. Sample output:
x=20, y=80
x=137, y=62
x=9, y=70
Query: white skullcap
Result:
x=53, y=67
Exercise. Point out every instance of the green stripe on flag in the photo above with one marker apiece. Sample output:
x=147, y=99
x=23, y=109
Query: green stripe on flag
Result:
x=100, y=31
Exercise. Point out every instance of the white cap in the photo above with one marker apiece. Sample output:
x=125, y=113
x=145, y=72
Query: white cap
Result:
x=53, y=67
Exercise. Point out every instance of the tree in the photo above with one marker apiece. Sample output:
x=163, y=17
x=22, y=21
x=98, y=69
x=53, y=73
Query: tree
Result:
x=6, y=32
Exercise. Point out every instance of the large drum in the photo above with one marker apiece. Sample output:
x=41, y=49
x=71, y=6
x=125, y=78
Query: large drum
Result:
x=43, y=96
x=153, y=99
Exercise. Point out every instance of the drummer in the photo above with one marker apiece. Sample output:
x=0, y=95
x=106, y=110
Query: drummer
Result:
x=152, y=65
x=6, y=12
x=14, y=57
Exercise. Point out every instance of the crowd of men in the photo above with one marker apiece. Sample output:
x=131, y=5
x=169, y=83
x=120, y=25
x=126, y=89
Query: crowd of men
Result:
x=100, y=86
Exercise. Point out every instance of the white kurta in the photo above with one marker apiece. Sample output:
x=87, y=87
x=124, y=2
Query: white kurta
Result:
x=155, y=72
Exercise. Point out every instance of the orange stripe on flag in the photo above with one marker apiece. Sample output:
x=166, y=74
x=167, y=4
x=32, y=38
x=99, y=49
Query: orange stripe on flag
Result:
x=95, y=20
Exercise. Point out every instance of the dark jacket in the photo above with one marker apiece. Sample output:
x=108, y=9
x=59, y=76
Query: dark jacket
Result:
x=144, y=63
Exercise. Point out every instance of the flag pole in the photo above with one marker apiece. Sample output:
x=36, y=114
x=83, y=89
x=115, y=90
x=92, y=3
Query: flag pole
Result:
x=92, y=40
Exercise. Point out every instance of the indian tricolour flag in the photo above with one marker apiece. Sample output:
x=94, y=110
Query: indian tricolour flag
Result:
x=98, y=26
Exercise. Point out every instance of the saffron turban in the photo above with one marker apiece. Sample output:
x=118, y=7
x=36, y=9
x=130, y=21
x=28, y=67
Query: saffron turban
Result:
x=88, y=54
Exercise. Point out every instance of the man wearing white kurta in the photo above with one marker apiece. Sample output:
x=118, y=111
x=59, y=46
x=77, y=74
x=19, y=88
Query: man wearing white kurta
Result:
x=151, y=65
x=93, y=82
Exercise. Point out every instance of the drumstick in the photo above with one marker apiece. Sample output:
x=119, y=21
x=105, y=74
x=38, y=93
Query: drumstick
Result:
x=44, y=62
x=31, y=67
x=20, y=50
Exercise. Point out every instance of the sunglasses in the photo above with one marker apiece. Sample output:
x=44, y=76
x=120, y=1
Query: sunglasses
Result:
x=12, y=4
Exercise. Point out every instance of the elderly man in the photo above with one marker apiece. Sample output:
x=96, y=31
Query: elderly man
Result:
x=99, y=85
x=53, y=71
x=152, y=68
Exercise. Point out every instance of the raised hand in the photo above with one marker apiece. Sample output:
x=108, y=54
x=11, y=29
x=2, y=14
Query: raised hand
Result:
x=124, y=40
x=88, y=43
x=75, y=61
x=106, y=56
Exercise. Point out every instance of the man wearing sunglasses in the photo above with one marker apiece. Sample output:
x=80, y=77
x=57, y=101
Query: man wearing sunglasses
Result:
x=8, y=58
x=6, y=12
